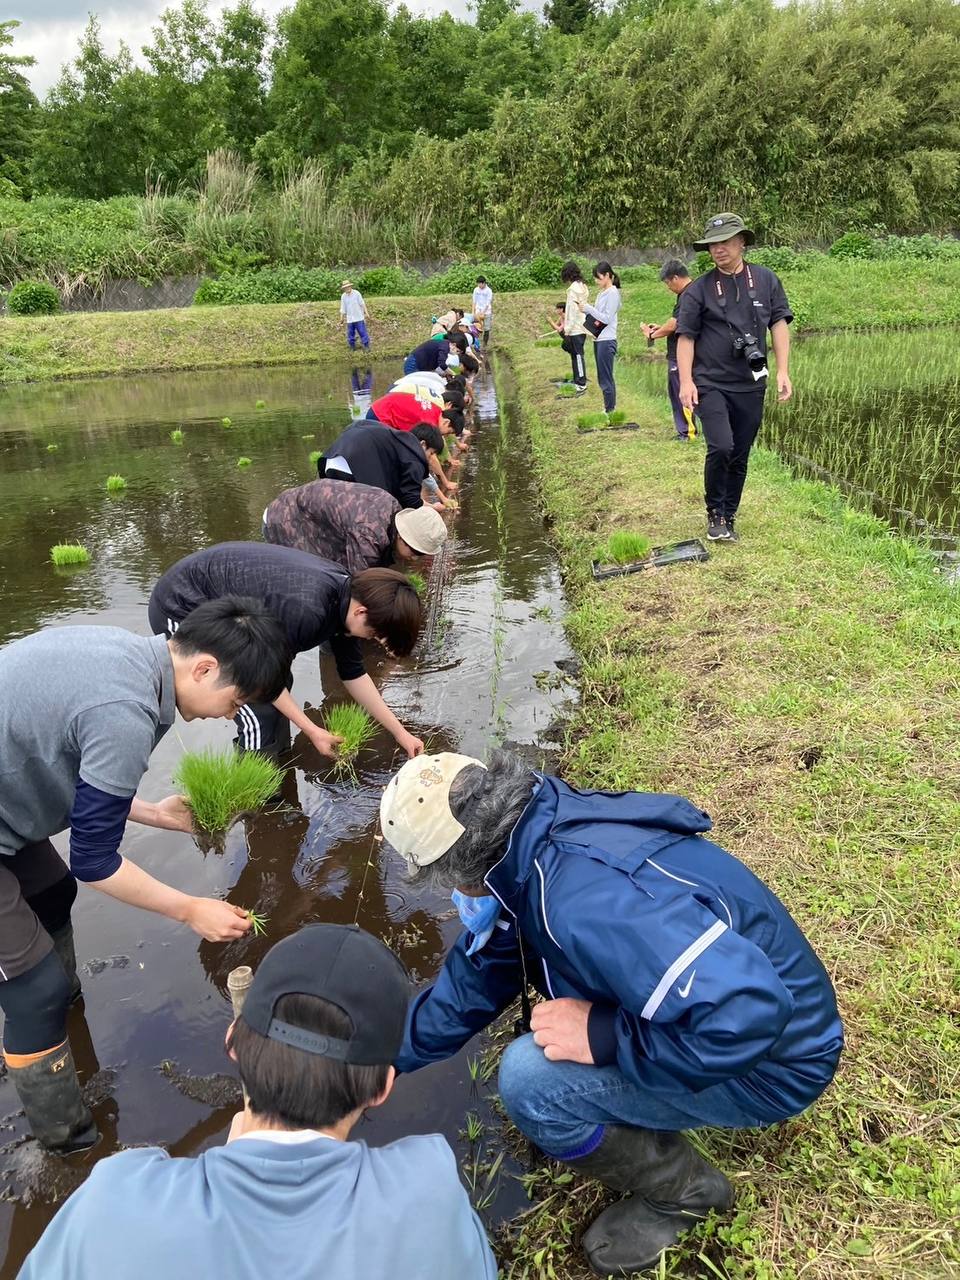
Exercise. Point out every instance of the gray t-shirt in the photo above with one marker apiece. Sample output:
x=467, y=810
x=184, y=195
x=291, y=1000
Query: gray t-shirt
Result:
x=86, y=703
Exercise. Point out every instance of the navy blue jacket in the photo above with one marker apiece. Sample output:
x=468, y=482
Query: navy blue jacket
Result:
x=696, y=972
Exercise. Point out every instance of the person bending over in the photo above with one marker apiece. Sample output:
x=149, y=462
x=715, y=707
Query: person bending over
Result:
x=370, y=453
x=289, y=1194
x=316, y=603
x=677, y=991
x=352, y=524
x=81, y=712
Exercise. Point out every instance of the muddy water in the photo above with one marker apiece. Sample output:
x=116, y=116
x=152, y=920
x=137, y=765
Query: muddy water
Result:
x=489, y=667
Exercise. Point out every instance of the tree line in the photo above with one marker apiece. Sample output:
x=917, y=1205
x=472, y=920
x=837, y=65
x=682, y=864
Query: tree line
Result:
x=592, y=124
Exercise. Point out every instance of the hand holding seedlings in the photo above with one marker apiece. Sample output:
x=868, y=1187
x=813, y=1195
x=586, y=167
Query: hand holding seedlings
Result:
x=174, y=814
x=216, y=921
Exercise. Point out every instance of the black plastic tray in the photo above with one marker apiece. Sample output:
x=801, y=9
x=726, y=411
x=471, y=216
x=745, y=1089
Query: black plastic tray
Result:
x=688, y=552
x=623, y=426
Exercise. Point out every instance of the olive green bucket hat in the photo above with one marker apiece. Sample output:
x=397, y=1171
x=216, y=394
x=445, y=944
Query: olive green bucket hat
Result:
x=723, y=226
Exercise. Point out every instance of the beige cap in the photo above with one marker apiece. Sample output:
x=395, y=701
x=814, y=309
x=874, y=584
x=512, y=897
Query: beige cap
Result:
x=421, y=528
x=415, y=815
x=346, y=284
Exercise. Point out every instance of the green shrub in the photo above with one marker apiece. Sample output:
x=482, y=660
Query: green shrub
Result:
x=271, y=284
x=220, y=786
x=777, y=258
x=387, y=282
x=929, y=248
x=33, y=298
x=640, y=274
x=461, y=279
x=854, y=244
x=69, y=553
x=544, y=269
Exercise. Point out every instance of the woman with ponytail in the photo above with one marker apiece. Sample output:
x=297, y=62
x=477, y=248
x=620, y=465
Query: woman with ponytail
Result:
x=604, y=312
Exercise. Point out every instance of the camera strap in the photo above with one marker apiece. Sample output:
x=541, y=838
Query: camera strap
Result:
x=718, y=284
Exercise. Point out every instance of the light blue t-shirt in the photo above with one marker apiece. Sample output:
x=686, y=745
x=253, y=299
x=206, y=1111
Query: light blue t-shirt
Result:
x=256, y=1209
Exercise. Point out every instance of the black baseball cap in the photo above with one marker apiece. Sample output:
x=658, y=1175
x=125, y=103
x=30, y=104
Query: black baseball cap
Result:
x=347, y=967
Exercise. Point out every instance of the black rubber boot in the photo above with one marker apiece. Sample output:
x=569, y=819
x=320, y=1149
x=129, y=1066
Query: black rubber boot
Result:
x=63, y=945
x=671, y=1187
x=49, y=1090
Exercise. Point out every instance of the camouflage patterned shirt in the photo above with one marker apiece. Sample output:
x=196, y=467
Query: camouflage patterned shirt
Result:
x=350, y=524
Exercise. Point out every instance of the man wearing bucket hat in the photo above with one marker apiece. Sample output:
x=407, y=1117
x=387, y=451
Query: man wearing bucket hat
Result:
x=677, y=990
x=355, y=525
x=353, y=310
x=289, y=1194
x=722, y=326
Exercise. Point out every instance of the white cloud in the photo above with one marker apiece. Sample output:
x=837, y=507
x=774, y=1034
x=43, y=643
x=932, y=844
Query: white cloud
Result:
x=51, y=29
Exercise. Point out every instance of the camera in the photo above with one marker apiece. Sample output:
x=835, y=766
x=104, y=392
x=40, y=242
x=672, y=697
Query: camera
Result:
x=747, y=346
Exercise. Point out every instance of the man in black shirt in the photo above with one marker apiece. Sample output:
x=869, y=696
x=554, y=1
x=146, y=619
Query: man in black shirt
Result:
x=722, y=328
x=676, y=277
x=371, y=453
x=315, y=601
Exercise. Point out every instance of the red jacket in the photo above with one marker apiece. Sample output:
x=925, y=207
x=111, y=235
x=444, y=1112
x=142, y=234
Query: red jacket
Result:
x=404, y=410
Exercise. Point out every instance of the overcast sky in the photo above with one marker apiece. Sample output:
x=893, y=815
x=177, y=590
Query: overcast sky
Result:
x=51, y=27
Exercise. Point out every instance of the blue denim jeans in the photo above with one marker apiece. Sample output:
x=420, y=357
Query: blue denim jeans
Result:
x=357, y=329
x=606, y=352
x=563, y=1106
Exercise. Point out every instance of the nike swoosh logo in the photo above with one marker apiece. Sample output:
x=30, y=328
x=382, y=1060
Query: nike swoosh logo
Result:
x=683, y=992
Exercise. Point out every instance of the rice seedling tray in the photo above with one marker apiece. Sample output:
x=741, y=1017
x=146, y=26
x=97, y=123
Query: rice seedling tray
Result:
x=688, y=552
x=604, y=430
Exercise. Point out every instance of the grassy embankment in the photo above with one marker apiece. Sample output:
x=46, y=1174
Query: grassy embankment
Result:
x=834, y=294
x=802, y=687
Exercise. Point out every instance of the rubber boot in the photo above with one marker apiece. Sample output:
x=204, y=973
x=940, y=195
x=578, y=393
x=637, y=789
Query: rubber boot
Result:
x=670, y=1188
x=63, y=945
x=50, y=1093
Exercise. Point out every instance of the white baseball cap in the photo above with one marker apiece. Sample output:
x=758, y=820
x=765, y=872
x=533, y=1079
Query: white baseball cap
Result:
x=415, y=814
x=421, y=528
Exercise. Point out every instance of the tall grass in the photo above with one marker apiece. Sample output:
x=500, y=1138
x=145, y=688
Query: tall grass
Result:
x=220, y=786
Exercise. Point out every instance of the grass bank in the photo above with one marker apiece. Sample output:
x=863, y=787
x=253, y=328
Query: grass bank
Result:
x=802, y=688
x=831, y=293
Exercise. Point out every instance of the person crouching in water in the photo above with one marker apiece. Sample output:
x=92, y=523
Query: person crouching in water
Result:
x=677, y=991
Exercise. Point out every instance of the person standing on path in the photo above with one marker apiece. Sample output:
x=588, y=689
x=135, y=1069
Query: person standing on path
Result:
x=676, y=277
x=722, y=327
x=353, y=310
x=316, y=602
x=81, y=711
x=604, y=313
x=574, y=330
x=483, y=308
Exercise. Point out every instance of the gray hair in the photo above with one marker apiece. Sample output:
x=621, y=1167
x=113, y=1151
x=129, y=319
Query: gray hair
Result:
x=673, y=268
x=488, y=802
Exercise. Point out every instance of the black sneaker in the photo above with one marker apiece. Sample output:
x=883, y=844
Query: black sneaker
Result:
x=717, y=530
x=732, y=535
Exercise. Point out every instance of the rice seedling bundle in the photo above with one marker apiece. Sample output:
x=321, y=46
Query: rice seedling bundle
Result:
x=52, y=448
x=315, y=457
x=222, y=785
x=354, y=725
x=261, y=404
x=177, y=436
x=567, y=391
x=227, y=422
x=115, y=484
x=69, y=553
x=624, y=547
x=244, y=462
x=418, y=582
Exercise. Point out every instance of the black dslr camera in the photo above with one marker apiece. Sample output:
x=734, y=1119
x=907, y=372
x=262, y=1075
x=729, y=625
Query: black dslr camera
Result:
x=747, y=346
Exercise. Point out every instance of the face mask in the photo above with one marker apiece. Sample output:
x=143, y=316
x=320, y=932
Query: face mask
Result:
x=479, y=915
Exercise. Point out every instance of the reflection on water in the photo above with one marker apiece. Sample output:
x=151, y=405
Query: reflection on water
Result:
x=484, y=670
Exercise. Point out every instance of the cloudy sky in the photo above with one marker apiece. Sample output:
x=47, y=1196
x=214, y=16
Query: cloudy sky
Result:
x=51, y=27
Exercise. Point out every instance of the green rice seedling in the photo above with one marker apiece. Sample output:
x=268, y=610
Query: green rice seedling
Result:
x=351, y=723
x=261, y=404
x=177, y=436
x=591, y=421
x=52, y=448
x=115, y=484
x=220, y=786
x=623, y=547
x=227, y=422
x=616, y=417
x=309, y=436
x=69, y=553
x=418, y=582
x=244, y=462
x=567, y=391
x=475, y=1127
x=258, y=922
x=315, y=457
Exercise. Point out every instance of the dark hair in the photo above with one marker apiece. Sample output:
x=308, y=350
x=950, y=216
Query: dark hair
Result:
x=458, y=311
x=292, y=1087
x=605, y=269
x=469, y=362
x=481, y=279
x=570, y=272
x=393, y=607
x=673, y=268
x=458, y=340
x=429, y=436
x=459, y=383
x=247, y=641
x=455, y=418
x=453, y=397
x=560, y=306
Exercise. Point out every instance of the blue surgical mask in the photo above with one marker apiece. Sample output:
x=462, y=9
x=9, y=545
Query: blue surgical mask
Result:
x=479, y=915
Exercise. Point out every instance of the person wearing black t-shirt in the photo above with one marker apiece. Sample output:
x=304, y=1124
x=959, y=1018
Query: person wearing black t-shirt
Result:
x=676, y=277
x=722, y=329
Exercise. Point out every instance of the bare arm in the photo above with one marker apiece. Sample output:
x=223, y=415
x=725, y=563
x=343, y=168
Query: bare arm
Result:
x=780, y=337
x=688, y=390
x=325, y=742
x=364, y=692
x=214, y=920
x=662, y=330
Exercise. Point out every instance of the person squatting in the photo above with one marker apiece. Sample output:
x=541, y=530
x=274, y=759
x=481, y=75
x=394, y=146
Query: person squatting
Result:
x=671, y=989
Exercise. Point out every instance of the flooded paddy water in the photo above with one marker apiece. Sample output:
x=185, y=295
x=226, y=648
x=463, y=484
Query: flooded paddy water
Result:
x=490, y=666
